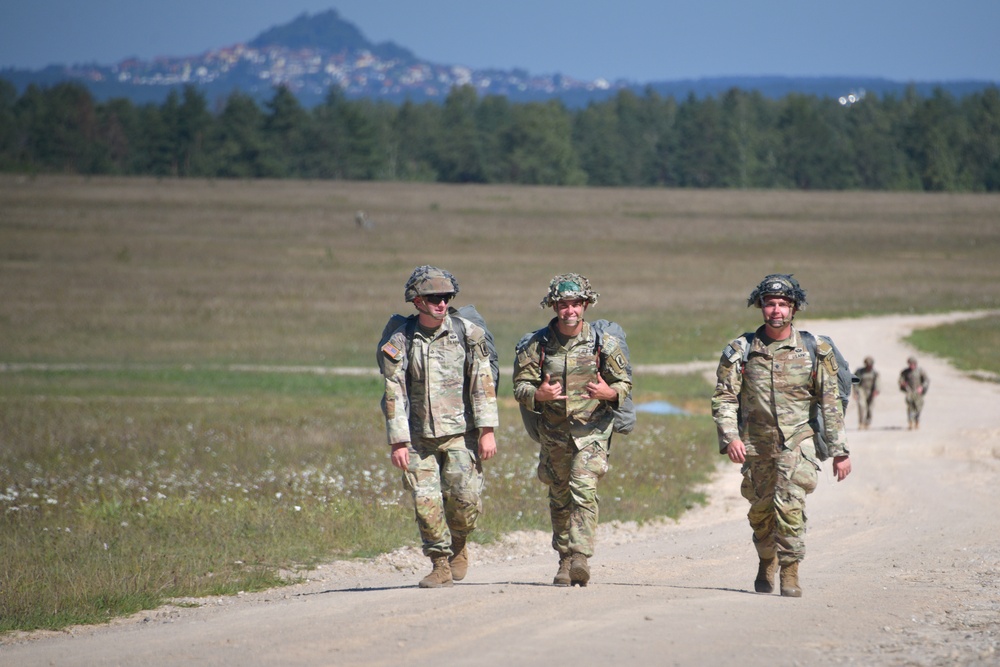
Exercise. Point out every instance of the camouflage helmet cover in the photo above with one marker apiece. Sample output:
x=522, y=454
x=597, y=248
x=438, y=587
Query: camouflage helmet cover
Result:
x=428, y=279
x=568, y=286
x=781, y=284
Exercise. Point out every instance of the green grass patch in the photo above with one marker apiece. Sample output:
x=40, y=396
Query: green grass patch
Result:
x=969, y=345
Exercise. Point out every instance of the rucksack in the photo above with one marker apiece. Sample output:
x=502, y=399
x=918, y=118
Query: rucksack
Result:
x=624, y=414
x=468, y=312
x=845, y=384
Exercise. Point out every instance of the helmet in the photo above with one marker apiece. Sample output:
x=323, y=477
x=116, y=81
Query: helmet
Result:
x=429, y=280
x=569, y=286
x=869, y=361
x=781, y=284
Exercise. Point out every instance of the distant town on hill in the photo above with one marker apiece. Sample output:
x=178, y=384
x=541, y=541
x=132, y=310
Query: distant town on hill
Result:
x=313, y=54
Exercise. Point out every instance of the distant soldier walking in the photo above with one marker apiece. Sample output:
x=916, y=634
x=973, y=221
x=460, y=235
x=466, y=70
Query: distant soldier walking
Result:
x=571, y=383
x=440, y=411
x=766, y=384
x=865, y=392
x=914, y=382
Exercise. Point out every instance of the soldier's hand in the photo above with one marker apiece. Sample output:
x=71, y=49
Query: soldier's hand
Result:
x=841, y=467
x=487, y=444
x=549, y=391
x=737, y=451
x=400, y=456
x=600, y=390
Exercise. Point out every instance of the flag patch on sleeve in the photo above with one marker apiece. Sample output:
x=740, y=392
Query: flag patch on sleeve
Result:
x=392, y=351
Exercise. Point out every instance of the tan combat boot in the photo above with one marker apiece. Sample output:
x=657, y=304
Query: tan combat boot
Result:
x=790, y=581
x=440, y=576
x=562, y=576
x=459, y=560
x=764, y=583
x=579, y=570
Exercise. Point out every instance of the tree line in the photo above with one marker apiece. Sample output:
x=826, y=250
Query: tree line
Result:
x=738, y=140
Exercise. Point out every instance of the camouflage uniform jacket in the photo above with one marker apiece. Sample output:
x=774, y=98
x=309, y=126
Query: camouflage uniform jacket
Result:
x=574, y=365
x=773, y=394
x=869, y=381
x=912, y=379
x=441, y=396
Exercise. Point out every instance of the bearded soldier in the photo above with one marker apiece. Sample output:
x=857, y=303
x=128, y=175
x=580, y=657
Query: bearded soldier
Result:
x=440, y=413
x=572, y=384
x=766, y=383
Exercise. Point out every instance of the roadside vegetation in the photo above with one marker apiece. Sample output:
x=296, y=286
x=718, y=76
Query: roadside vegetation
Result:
x=970, y=346
x=168, y=424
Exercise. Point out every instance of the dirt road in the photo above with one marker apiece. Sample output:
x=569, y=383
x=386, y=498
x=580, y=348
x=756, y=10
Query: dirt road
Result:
x=903, y=569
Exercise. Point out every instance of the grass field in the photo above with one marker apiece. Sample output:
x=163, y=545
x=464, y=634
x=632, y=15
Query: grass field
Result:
x=165, y=427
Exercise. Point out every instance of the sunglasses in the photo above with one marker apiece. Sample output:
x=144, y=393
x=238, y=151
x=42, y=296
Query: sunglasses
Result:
x=438, y=298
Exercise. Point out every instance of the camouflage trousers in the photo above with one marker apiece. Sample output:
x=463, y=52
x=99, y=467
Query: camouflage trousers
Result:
x=914, y=405
x=445, y=478
x=572, y=475
x=776, y=487
x=866, y=405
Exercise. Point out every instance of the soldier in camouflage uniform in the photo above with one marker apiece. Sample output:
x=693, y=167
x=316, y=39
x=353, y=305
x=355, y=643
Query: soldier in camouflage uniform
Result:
x=761, y=409
x=562, y=376
x=440, y=413
x=865, y=392
x=914, y=382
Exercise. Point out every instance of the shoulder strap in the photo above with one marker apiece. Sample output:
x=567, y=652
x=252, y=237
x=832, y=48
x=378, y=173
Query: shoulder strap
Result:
x=543, y=342
x=411, y=329
x=463, y=337
x=748, y=337
x=810, y=342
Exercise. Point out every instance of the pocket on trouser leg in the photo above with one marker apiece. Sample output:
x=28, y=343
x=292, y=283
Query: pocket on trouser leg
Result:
x=805, y=476
x=747, y=489
x=544, y=473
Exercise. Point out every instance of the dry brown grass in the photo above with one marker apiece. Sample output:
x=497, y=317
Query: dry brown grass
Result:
x=141, y=270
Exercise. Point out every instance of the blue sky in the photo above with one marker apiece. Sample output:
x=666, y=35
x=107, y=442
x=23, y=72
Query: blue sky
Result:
x=638, y=40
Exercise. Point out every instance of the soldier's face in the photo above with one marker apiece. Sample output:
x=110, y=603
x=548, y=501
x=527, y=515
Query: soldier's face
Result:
x=778, y=311
x=428, y=306
x=570, y=311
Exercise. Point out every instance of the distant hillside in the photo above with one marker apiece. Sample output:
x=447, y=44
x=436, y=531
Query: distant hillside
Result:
x=328, y=31
x=313, y=54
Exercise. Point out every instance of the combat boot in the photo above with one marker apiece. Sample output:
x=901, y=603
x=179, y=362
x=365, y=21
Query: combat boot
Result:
x=440, y=576
x=790, y=581
x=579, y=570
x=764, y=583
x=459, y=560
x=562, y=576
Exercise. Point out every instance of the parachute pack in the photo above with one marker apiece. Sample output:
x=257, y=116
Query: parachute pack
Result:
x=468, y=312
x=624, y=413
x=845, y=383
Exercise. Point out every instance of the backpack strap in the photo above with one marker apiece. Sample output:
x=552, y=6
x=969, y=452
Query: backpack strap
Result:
x=543, y=342
x=459, y=324
x=745, y=351
x=411, y=329
x=810, y=342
